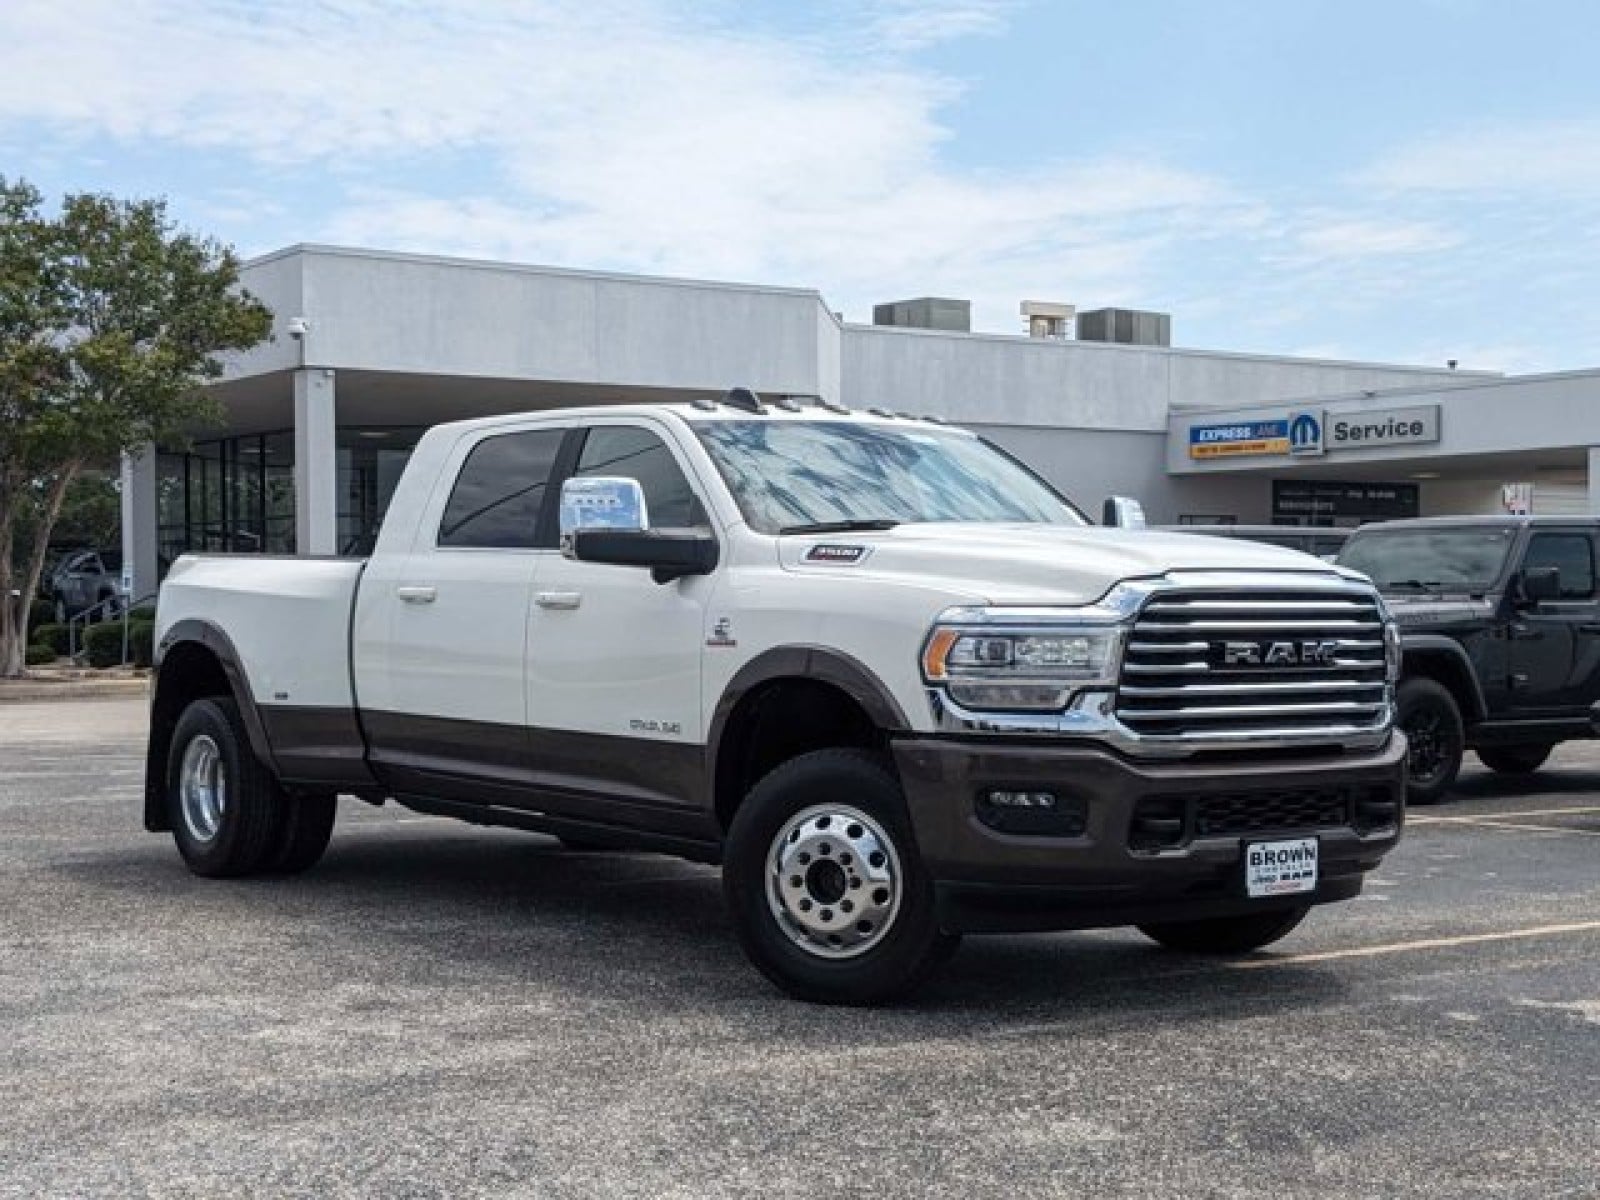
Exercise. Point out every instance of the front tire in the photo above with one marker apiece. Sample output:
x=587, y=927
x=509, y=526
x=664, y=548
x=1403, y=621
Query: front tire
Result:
x=1227, y=935
x=1514, y=760
x=1431, y=720
x=226, y=811
x=824, y=885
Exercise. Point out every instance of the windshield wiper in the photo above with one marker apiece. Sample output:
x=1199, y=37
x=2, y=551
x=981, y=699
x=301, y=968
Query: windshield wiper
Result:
x=1421, y=585
x=842, y=526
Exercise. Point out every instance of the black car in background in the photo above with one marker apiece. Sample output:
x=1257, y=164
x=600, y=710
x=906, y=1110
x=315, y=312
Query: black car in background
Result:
x=1321, y=541
x=1500, y=627
x=83, y=579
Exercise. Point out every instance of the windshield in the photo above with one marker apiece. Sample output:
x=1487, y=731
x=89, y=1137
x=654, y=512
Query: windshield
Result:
x=800, y=475
x=1462, y=560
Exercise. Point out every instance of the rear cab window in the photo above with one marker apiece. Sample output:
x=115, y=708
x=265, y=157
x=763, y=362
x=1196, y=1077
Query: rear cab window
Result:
x=499, y=498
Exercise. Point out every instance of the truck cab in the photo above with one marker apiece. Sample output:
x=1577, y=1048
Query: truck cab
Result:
x=1500, y=625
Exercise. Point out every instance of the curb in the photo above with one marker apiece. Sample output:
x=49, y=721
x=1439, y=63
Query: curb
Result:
x=32, y=691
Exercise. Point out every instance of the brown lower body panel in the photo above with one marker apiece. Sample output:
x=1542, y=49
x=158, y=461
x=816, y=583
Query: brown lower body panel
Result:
x=1100, y=874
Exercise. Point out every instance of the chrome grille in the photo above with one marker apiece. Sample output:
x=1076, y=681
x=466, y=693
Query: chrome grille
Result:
x=1227, y=666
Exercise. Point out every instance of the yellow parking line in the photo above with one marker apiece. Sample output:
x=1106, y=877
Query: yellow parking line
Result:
x=1507, y=823
x=1532, y=812
x=1469, y=939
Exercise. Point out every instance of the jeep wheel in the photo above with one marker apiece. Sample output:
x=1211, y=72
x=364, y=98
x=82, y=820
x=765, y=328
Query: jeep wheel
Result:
x=1428, y=716
x=824, y=885
x=1515, y=760
x=226, y=811
x=1227, y=935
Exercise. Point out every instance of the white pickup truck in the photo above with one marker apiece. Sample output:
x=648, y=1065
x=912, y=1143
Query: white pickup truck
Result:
x=886, y=676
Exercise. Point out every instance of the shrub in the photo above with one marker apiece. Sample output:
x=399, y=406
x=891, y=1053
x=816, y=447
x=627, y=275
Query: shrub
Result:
x=141, y=638
x=39, y=655
x=102, y=644
x=52, y=635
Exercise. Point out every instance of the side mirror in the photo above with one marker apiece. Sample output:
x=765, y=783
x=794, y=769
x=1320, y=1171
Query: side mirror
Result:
x=669, y=553
x=1538, y=584
x=601, y=502
x=1123, y=512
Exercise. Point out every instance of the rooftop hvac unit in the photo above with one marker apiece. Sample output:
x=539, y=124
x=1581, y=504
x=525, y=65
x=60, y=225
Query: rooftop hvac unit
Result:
x=1129, y=326
x=1048, y=320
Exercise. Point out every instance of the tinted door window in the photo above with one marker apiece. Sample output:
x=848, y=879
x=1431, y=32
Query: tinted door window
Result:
x=501, y=490
x=629, y=452
x=1572, y=554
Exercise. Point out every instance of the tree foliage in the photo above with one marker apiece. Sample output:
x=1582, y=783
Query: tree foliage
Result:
x=111, y=320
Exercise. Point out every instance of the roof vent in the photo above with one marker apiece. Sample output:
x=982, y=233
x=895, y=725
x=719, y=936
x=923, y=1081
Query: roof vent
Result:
x=1048, y=320
x=743, y=399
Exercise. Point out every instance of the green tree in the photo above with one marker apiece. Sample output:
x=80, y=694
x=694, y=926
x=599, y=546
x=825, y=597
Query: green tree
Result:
x=111, y=320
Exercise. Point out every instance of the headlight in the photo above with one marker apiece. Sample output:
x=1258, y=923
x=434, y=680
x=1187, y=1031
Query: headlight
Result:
x=996, y=660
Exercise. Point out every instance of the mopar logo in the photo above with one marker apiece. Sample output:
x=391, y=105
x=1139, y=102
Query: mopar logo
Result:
x=1279, y=654
x=1305, y=433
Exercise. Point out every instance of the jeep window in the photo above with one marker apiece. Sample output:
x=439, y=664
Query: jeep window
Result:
x=497, y=496
x=787, y=474
x=1570, y=553
x=1460, y=560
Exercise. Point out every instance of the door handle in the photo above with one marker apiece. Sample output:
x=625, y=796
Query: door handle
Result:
x=1526, y=633
x=558, y=599
x=413, y=593
x=1589, y=627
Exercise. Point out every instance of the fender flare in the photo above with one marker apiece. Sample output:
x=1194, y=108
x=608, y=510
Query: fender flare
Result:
x=212, y=638
x=819, y=663
x=1437, y=645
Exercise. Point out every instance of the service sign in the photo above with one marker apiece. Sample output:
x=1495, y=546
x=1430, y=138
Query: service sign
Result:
x=1384, y=427
x=1239, y=438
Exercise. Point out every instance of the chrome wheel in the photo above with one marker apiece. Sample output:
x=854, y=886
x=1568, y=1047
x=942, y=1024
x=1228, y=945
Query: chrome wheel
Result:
x=834, y=881
x=202, y=787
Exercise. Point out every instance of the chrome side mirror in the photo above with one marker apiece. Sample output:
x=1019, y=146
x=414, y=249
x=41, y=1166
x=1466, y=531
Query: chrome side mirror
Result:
x=601, y=502
x=1123, y=512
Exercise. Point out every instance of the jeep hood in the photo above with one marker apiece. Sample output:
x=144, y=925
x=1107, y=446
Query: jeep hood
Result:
x=1032, y=564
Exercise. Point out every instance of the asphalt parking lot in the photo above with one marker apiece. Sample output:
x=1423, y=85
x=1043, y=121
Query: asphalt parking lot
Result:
x=440, y=1010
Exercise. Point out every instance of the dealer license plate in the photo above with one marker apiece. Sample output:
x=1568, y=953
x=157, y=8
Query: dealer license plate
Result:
x=1280, y=868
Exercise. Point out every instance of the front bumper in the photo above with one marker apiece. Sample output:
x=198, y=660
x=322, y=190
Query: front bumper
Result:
x=988, y=880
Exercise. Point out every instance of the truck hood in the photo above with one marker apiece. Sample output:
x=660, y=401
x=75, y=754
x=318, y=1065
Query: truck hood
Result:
x=1032, y=564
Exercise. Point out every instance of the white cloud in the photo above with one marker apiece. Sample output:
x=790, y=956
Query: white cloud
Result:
x=1559, y=158
x=1368, y=237
x=624, y=136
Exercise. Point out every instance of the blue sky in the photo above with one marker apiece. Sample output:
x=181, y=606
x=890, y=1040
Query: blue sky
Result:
x=1409, y=181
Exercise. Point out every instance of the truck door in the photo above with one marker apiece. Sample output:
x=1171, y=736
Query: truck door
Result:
x=449, y=699
x=614, y=658
x=1555, y=644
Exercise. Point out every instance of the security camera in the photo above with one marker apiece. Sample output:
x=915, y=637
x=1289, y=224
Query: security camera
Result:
x=299, y=327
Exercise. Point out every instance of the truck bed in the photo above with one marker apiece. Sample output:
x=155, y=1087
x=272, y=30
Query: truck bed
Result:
x=288, y=618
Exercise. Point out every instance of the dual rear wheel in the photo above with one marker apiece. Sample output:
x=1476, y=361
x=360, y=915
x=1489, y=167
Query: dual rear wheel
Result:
x=227, y=813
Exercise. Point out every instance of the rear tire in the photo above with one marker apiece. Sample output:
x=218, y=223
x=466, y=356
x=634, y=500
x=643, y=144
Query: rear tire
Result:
x=307, y=827
x=1514, y=760
x=1431, y=720
x=226, y=811
x=824, y=884
x=1227, y=935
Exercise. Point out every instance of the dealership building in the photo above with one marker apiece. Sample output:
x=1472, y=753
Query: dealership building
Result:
x=371, y=348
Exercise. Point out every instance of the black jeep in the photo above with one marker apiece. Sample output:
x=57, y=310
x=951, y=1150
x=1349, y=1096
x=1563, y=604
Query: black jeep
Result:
x=1501, y=630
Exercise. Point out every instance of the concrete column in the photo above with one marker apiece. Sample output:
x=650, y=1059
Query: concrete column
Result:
x=1594, y=479
x=316, y=463
x=140, y=530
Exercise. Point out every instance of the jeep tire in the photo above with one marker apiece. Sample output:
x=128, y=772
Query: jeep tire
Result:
x=1227, y=935
x=825, y=888
x=1523, y=759
x=1428, y=715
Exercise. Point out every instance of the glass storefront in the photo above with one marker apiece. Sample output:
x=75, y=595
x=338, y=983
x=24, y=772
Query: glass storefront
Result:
x=236, y=495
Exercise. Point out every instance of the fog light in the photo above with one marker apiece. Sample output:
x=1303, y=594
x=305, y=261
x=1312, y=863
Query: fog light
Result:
x=1042, y=814
x=1022, y=799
